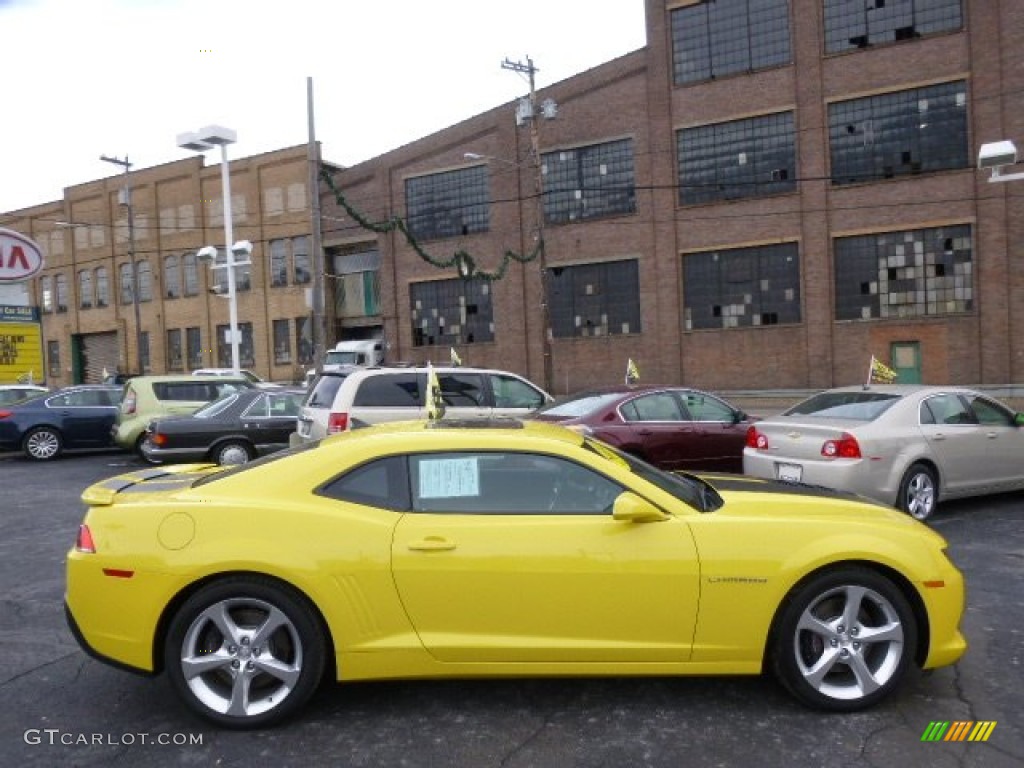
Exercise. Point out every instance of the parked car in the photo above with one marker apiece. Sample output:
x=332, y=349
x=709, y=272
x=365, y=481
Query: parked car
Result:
x=229, y=373
x=342, y=400
x=233, y=430
x=475, y=549
x=151, y=397
x=12, y=393
x=672, y=428
x=71, y=418
x=905, y=445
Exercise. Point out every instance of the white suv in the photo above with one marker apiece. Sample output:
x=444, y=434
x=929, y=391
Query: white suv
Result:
x=342, y=400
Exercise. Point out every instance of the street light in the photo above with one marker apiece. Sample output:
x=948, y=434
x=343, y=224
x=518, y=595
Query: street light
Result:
x=996, y=155
x=199, y=141
x=126, y=200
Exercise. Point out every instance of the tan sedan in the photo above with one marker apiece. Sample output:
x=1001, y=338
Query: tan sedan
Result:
x=904, y=445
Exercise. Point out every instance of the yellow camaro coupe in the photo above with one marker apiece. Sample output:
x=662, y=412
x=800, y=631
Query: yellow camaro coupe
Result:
x=500, y=548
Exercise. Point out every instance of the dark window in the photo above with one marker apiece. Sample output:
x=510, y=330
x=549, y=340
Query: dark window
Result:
x=403, y=389
x=742, y=287
x=595, y=299
x=304, y=339
x=462, y=390
x=194, y=347
x=127, y=283
x=451, y=312
x=589, y=182
x=46, y=296
x=282, y=343
x=278, y=262
x=899, y=134
x=448, y=204
x=85, y=289
x=246, y=354
x=172, y=278
x=191, y=270
x=175, y=361
x=657, y=406
x=145, y=282
x=510, y=392
x=144, y=360
x=383, y=483
x=752, y=157
x=62, y=293
x=102, y=287
x=853, y=24
x=911, y=273
x=716, y=38
x=300, y=260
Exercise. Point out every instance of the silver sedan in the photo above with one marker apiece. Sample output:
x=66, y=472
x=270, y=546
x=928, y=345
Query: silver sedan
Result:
x=904, y=445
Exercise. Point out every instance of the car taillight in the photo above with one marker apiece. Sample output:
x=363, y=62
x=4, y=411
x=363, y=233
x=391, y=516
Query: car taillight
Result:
x=158, y=439
x=84, y=542
x=757, y=440
x=846, y=447
x=128, y=406
x=337, y=422
x=5, y=414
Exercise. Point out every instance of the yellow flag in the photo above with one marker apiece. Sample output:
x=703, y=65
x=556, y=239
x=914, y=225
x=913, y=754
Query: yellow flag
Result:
x=434, y=402
x=456, y=360
x=881, y=373
x=632, y=374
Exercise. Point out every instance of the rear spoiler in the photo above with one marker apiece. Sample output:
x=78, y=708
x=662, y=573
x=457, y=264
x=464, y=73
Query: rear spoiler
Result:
x=178, y=476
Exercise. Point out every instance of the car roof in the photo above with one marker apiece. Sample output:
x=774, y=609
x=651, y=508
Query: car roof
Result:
x=450, y=428
x=898, y=389
x=186, y=377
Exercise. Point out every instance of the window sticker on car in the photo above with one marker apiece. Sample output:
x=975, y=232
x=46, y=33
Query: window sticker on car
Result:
x=449, y=478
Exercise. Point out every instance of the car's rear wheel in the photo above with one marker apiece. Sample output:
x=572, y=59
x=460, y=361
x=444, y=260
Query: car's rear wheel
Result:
x=232, y=452
x=844, y=640
x=918, y=492
x=245, y=652
x=42, y=444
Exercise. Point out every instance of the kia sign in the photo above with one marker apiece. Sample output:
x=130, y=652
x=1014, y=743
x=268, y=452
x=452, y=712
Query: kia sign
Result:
x=20, y=258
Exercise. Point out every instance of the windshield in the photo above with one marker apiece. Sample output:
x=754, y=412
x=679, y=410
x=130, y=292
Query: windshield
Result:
x=580, y=406
x=343, y=358
x=860, y=406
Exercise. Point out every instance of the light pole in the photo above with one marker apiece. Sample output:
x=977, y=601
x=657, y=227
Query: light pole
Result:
x=126, y=201
x=995, y=156
x=199, y=141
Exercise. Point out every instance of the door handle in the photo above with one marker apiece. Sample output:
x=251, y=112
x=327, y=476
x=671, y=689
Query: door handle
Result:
x=432, y=544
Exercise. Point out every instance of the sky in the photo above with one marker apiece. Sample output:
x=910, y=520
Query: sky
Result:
x=84, y=78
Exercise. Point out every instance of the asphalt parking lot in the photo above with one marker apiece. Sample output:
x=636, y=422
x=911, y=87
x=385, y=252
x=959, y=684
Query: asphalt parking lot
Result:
x=62, y=708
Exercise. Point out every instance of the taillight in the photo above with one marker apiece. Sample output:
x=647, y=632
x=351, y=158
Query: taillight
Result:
x=337, y=422
x=158, y=439
x=84, y=542
x=846, y=447
x=757, y=440
x=128, y=406
x=5, y=414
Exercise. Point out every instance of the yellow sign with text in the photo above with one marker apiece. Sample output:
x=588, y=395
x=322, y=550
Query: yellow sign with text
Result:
x=21, y=353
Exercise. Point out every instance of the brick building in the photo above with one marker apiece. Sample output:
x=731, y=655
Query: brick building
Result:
x=764, y=196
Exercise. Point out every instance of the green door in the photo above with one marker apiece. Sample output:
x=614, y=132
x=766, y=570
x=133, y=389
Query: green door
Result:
x=906, y=361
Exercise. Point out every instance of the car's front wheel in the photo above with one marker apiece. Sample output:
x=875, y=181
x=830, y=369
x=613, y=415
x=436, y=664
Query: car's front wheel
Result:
x=918, y=492
x=42, y=444
x=844, y=639
x=245, y=652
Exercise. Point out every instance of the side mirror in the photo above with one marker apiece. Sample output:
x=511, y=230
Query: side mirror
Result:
x=630, y=508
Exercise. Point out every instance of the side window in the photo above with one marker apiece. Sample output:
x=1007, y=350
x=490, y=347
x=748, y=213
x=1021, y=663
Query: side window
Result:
x=660, y=406
x=503, y=483
x=706, y=408
x=258, y=409
x=945, y=409
x=991, y=413
x=389, y=390
x=465, y=390
x=383, y=483
x=510, y=392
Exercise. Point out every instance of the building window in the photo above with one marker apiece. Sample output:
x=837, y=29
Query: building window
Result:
x=46, y=294
x=448, y=204
x=752, y=157
x=898, y=134
x=144, y=351
x=172, y=278
x=278, y=262
x=300, y=258
x=175, y=361
x=913, y=273
x=727, y=37
x=145, y=281
x=85, y=289
x=194, y=347
x=53, y=359
x=62, y=293
x=304, y=340
x=282, y=343
x=450, y=312
x=356, y=282
x=246, y=357
x=853, y=25
x=102, y=287
x=589, y=182
x=191, y=270
x=742, y=287
x=127, y=293
x=595, y=299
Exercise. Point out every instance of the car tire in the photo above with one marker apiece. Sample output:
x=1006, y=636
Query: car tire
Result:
x=248, y=679
x=919, y=492
x=42, y=444
x=844, y=639
x=232, y=453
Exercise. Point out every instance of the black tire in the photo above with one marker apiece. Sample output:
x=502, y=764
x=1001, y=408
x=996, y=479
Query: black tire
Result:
x=274, y=674
x=232, y=452
x=919, y=492
x=42, y=444
x=830, y=665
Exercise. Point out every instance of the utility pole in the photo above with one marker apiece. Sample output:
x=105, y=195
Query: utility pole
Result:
x=313, y=154
x=127, y=202
x=528, y=111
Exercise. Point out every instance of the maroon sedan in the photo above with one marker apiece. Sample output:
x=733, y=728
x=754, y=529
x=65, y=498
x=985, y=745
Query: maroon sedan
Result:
x=669, y=427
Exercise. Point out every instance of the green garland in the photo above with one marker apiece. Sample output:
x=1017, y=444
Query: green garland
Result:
x=461, y=259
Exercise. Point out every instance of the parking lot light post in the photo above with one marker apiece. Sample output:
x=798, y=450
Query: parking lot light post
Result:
x=200, y=141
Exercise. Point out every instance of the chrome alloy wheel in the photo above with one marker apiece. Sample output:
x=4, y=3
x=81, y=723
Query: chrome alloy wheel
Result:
x=919, y=495
x=42, y=444
x=849, y=642
x=242, y=657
